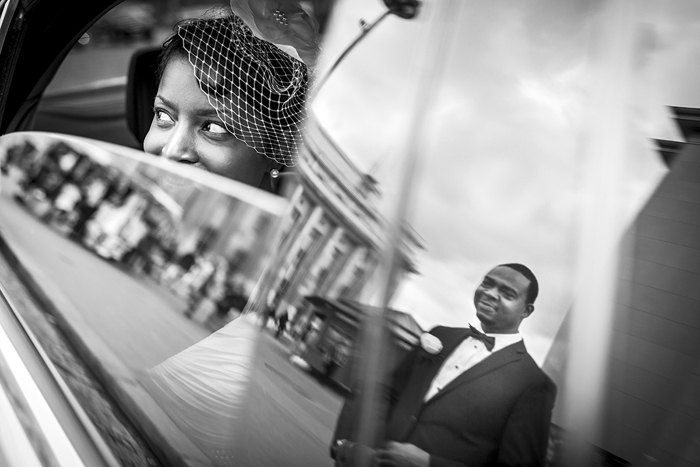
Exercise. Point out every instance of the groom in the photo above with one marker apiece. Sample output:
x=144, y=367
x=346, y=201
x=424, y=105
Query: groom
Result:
x=464, y=398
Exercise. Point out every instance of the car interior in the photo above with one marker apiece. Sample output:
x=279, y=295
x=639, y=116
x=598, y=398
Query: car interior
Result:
x=36, y=42
x=141, y=90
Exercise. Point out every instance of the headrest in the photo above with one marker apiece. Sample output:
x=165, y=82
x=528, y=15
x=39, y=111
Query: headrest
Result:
x=141, y=90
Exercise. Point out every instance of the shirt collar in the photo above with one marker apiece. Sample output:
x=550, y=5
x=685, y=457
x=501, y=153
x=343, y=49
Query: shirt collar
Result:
x=503, y=340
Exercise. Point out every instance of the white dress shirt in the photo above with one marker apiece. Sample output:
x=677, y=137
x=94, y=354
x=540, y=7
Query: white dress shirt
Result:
x=467, y=354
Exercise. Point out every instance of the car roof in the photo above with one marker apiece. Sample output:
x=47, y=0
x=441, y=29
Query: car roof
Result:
x=39, y=36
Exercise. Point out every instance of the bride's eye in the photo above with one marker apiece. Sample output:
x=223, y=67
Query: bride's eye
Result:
x=213, y=127
x=162, y=116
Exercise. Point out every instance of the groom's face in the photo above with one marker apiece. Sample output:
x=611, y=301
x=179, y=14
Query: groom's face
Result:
x=501, y=300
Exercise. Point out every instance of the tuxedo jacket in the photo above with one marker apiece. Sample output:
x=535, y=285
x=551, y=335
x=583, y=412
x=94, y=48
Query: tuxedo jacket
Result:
x=496, y=413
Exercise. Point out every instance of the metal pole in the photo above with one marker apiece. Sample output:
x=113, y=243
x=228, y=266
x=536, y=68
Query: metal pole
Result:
x=321, y=81
x=374, y=343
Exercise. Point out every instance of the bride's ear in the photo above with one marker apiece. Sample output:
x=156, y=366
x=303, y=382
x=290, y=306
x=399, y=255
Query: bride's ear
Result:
x=271, y=178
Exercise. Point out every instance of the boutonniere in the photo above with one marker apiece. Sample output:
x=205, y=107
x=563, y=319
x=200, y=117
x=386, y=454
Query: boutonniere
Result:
x=431, y=345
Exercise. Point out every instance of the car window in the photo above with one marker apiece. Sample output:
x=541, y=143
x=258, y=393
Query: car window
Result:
x=192, y=250
x=182, y=251
x=204, y=322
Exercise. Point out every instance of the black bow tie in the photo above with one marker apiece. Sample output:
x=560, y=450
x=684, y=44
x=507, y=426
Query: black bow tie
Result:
x=488, y=341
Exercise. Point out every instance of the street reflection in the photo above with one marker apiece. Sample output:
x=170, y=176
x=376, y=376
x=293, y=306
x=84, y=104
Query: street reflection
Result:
x=153, y=271
x=204, y=246
x=141, y=265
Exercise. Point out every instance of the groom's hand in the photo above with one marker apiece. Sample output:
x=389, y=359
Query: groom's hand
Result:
x=401, y=455
x=350, y=454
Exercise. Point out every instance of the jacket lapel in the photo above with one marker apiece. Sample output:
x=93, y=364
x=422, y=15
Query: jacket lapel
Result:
x=425, y=369
x=494, y=361
x=433, y=363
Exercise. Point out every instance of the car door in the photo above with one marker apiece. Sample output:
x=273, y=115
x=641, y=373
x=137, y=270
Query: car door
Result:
x=194, y=321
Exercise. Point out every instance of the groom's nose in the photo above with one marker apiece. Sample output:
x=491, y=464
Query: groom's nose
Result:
x=491, y=292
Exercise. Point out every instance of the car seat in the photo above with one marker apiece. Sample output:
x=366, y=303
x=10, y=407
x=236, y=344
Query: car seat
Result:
x=141, y=89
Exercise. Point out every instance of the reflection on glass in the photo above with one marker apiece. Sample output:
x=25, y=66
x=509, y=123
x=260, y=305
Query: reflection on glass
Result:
x=538, y=152
x=192, y=238
x=285, y=386
x=530, y=150
x=141, y=257
x=326, y=344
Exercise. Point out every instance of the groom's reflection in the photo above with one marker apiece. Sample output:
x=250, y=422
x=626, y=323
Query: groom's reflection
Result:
x=464, y=397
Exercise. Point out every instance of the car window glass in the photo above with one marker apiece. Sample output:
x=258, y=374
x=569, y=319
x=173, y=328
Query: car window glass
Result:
x=137, y=258
x=547, y=141
x=230, y=326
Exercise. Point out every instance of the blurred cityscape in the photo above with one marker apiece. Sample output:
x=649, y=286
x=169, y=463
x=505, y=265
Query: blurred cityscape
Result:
x=174, y=265
x=210, y=249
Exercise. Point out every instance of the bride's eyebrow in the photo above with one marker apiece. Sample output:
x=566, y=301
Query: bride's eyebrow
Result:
x=165, y=101
x=208, y=113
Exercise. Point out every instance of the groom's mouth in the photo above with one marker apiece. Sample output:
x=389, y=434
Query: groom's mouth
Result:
x=487, y=305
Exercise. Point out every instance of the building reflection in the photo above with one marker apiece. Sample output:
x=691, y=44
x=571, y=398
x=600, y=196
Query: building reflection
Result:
x=333, y=236
x=651, y=410
x=325, y=344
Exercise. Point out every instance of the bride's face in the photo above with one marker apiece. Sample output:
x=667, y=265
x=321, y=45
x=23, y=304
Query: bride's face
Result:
x=186, y=128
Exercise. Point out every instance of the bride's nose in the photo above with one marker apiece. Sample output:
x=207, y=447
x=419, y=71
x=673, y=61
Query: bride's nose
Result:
x=180, y=146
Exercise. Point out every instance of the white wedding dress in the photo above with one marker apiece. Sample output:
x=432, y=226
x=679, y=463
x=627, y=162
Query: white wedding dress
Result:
x=203, y=388
x=241, y=402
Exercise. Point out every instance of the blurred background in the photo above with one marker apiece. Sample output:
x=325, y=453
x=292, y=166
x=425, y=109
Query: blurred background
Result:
x=562, y=135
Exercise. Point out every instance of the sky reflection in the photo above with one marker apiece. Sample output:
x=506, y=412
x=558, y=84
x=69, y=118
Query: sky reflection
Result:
x=499, y=176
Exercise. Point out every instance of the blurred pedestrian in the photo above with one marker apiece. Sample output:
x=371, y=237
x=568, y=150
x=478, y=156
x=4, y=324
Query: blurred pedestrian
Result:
x=282, y=323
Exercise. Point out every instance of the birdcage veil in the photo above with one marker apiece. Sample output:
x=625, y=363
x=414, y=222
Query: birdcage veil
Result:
x=257, y=90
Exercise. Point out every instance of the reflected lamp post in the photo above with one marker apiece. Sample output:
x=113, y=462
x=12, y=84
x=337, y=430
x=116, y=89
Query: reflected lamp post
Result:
x=406, y=9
